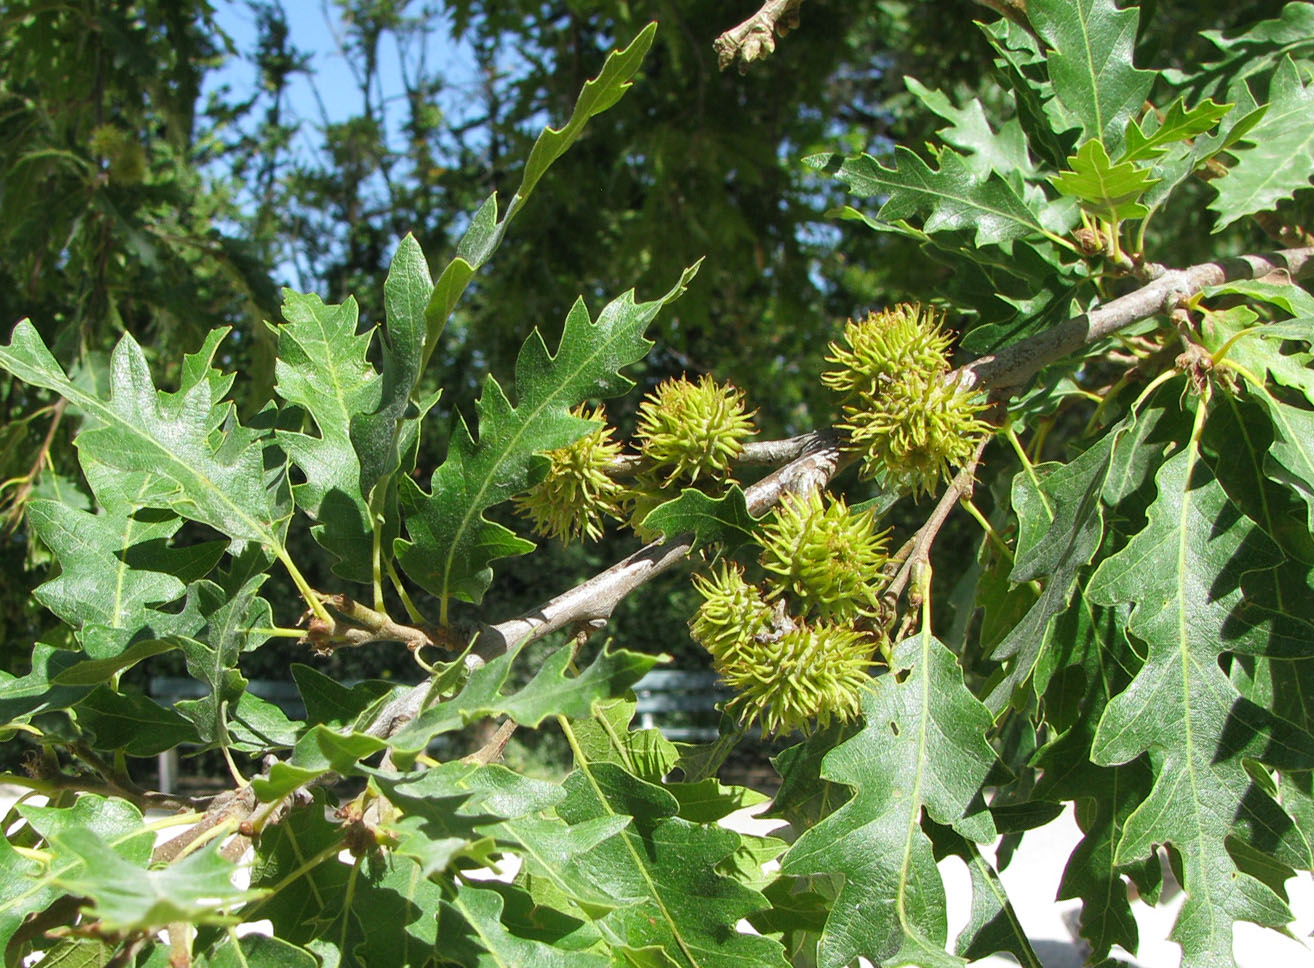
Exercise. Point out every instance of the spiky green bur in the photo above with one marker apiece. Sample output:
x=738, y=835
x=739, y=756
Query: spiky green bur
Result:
x=917, y=432
x=883, y=347
x=827, y=557
x=733, y=614
x=690, y=430
x=577, y=494
x=784, y=680
x=907, y=423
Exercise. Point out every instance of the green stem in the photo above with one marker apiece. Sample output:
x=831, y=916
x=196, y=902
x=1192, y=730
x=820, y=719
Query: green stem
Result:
x=376, y=552
x=280, y=633
x=238, y=778
x=575, y=750
x=329, y=852
x=1115, y=230
x=995, y=537
x=312, y=598
x=1249, y=376
x=1029, y=467
x=1059, y=240
x=1153, y=385
x=1109, y=394
x=411, y=611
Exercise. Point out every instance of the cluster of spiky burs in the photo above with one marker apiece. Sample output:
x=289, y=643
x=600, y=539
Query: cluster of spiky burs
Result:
x=688, y=432
x=908, y=424
x=825, y=564
x=578, y=492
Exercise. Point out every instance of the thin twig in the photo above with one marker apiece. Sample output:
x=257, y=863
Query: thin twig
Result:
x=755, y=37
x=493, y=749
x=920, y=551
x=229, y=805
x=769, y=453
x=20, y=496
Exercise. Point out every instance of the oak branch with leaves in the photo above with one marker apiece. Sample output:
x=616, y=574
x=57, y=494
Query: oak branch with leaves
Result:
x=1133, y=442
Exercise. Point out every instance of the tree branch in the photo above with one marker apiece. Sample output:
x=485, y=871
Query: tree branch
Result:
x=591, y=603
x=768, y=453
x=754, y=38
x=1013, y=366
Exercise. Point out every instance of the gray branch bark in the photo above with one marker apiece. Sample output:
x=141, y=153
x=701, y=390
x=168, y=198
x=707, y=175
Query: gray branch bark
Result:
x=1018, y=363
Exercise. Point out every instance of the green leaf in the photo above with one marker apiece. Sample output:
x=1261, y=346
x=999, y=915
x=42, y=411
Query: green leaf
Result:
x=132, y=723
x=322, y=368
x=1103, y=189
x=549, y=693
x=320, y=751
x=453, y=811
x=1059, y=527
x=992, y=923
x=127, y=897
x=451, y=543
x=258, y=951
x=486, y=942
x=667, y=868
x=28, y=886
x=724, y=521
x=1290, y=297
x=1291, y=458
x=1021, y=67
x=1092, y=661
x=485, y=232
x=955, y=197
x=296, y=863
x=608, y=737
x=1256, y=50
x=22, y=891
x=1236, y=442
x=406, y=293
x=1258, y=348
x=1090, y=64
x=257, y=726
x=92, y=672
x=113, y=567
x=1148, y=140
x=79, y=953
x=232, y=609
x=1183, y=574
x=921, y=748
x=229, y=486
x=708, y=800
x=969, y=131
x=804, y=797
x=38, y=691
x=546, y=845
x=329, y=702
x=1280, y=159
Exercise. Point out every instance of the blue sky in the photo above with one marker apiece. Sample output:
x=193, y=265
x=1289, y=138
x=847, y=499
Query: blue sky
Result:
x=315, y=29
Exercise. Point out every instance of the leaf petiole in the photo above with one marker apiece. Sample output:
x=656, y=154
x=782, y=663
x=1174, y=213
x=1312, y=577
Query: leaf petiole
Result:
x=309, y=594
x=995, y=537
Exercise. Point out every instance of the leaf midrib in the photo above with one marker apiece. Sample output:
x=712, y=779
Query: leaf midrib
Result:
x=476, y=507
x=111, y=416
